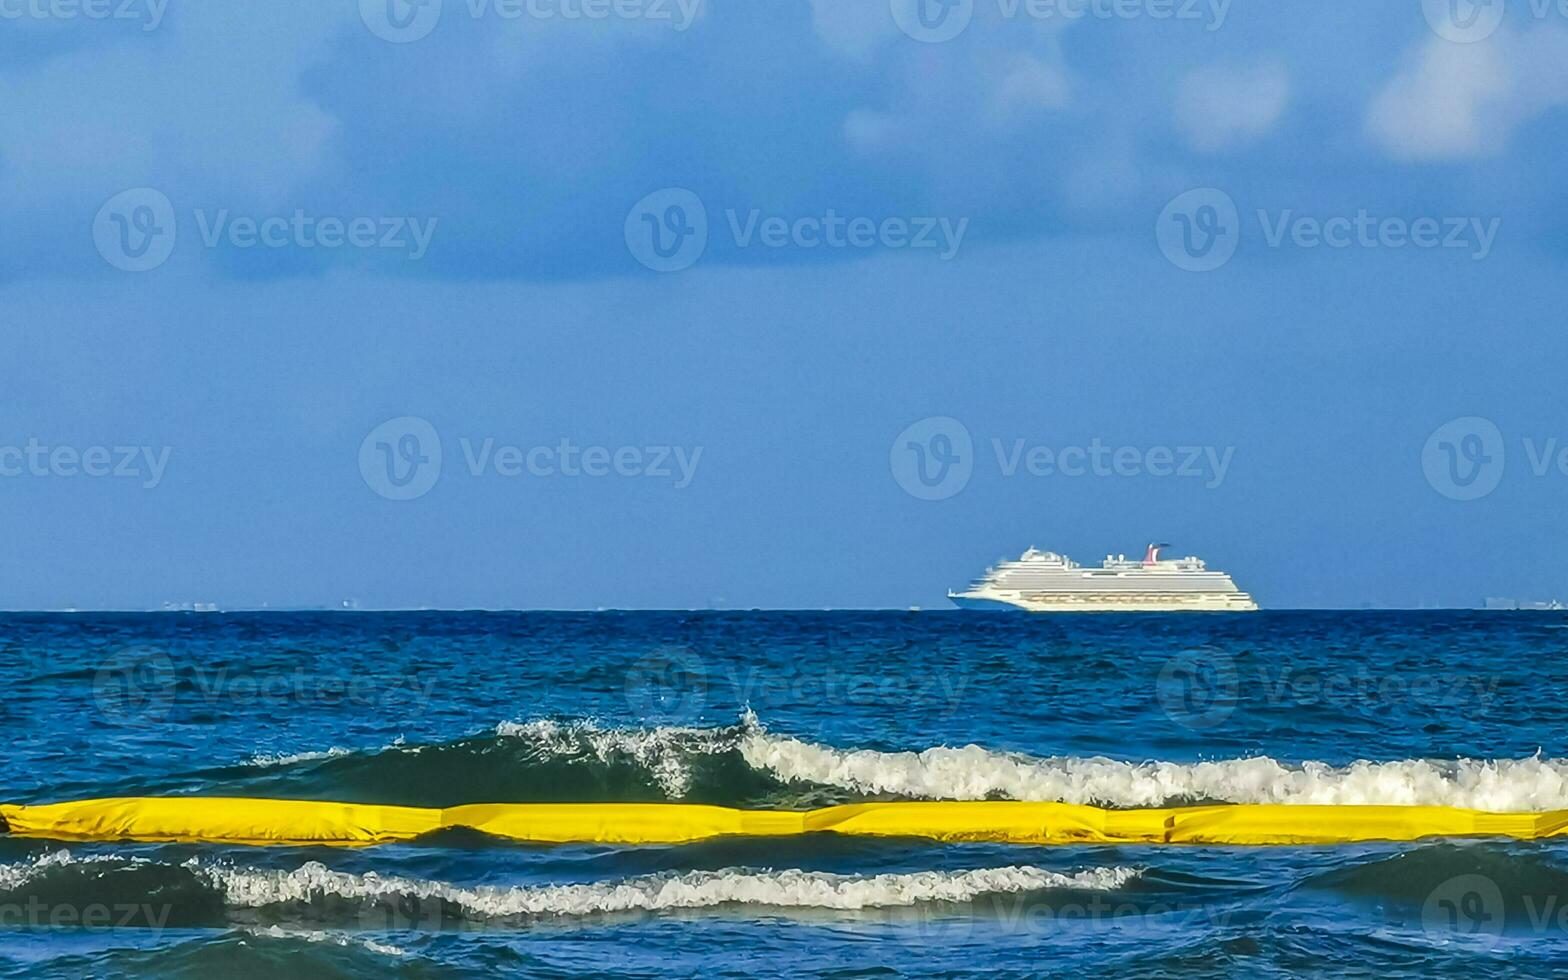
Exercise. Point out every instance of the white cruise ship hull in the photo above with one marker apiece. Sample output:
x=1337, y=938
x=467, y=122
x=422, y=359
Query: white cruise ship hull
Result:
x=1104, y=602
x=1044, y=581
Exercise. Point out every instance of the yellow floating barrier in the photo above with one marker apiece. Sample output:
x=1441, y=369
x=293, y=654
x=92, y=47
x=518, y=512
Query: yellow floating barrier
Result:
x=247, y=821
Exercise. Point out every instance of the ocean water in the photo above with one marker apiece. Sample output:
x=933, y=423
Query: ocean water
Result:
x=786, y=710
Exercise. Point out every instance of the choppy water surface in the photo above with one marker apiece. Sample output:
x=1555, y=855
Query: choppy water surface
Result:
x=786, y=710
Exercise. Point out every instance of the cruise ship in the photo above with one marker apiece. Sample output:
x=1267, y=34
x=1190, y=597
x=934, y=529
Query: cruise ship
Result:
x=1044, y=581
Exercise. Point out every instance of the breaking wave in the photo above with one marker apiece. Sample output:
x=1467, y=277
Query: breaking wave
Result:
x=318, y=895
x=790, y=889
x=746, y=765
x=974, y=773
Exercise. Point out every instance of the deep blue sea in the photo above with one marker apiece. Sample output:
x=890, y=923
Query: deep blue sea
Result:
x=786, y=710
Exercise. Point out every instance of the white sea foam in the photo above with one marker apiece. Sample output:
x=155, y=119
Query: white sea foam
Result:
x=253, y=888
x=974, y=773
x=791, y=889
x=666, y=752
x=288, y=759
x=15, y=875
x=335, y=938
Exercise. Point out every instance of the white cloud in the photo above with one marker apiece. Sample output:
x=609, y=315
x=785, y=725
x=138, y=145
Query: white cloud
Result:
x=1219, y=107
x=993, y=91
x=1022, y=82
x=1465, y=100
x=210, y=100
x=853, y=28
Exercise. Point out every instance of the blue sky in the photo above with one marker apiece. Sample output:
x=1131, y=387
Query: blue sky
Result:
x=573, y=303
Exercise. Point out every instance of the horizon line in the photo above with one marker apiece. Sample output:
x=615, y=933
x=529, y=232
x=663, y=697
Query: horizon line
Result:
x=735, y=609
